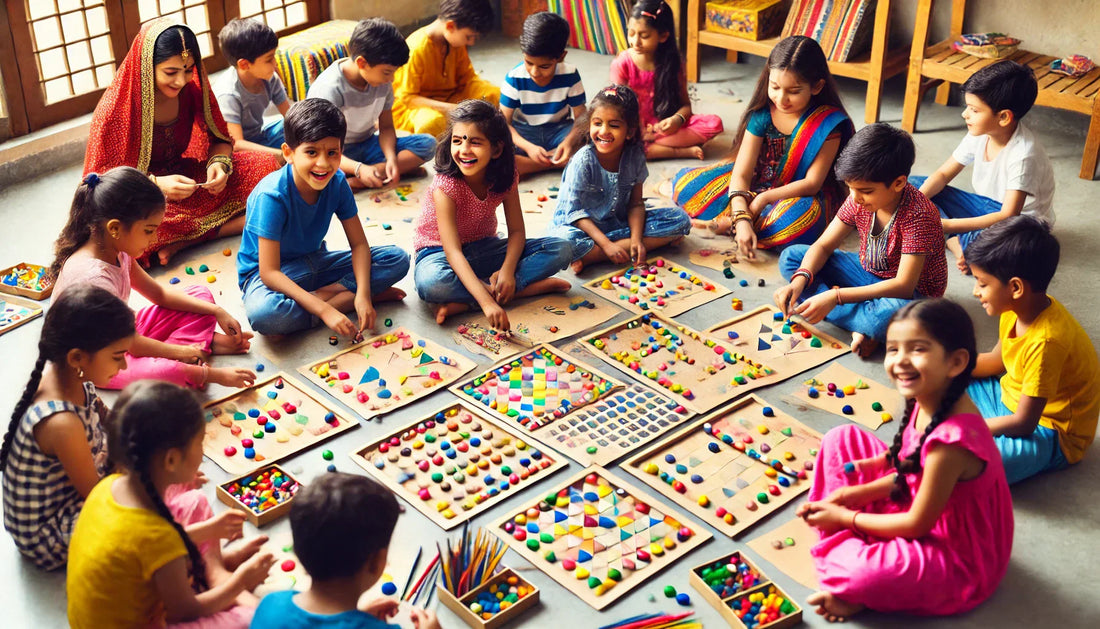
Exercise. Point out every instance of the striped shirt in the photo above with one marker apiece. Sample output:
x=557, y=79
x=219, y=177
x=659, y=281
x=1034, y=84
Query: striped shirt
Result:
x=538, y=105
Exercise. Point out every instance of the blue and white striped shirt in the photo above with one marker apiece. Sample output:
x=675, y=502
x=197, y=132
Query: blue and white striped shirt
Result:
x=538, y=105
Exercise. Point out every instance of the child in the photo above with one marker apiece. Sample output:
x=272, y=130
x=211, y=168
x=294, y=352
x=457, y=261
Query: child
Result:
x=1044, y=408
x=132, y=563
x=460, y=261
x=600, y=209
x=342, y=526
x=781, y=189
x=113, y=219
x=924, y=526
x=439, y=73
x=652, y=67
x=1012, y=173
x=361, y=86
x=246, y=90
x=290, y=280
x=55, y=448
x=900, y=244
x=542, y=97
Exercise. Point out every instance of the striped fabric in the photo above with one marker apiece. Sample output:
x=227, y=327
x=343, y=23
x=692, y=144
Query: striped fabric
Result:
x=595, y=25
x=535, y=104
x=842, y=27
x=301, y=57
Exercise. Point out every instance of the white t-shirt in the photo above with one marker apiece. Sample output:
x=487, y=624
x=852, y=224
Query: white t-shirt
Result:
x=361, y=107
x=240, y=106
x=1021, y=165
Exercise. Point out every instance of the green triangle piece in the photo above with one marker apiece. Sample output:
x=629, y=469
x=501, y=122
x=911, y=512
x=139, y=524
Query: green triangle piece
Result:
x=424, y=358
x=815, y=342
x=787, y=431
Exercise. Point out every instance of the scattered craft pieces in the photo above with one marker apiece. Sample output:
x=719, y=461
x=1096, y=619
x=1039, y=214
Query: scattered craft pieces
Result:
x=793, y=559
x=493, y=603
x=26, y=280
x=743, y=595
x=871, y=404
x=264, y=495
x=657, y=286
x=720, y=253
x=542, y=319
x=14, y=312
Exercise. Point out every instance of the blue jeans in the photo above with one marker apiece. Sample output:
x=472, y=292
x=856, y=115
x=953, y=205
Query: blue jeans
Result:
x=548, y=136
x=437, y=283
x=955, y=203
x=271, y=135
x=1023, y=457
x=661, y=222
x=369, y=151
x=843, y=269
x=272, y=312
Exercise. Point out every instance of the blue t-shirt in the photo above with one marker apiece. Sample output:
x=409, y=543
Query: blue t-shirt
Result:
x=277, y=211
x=278, y=610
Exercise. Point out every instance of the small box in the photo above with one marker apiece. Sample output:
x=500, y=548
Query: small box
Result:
x=259, y=517
x=758, y=583
x=461, y=606
x=748, y=19
x=37, y=290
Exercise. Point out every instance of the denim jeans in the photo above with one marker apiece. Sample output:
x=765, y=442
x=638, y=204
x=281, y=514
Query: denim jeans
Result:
x=271, y=135
x=436, y=281
x=955, y=203
x=272, y=312
x=661, y=222
x=843, y=269
x=369, y=151
x=1023, y=457
x=547, y=136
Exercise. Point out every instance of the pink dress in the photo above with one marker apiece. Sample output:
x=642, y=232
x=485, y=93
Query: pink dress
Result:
x=953, y=568
x=155, y=322
x=625, y=72
x=476, y=218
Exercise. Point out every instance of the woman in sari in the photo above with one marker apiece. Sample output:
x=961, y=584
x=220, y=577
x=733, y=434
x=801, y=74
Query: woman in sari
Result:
x=160, y=116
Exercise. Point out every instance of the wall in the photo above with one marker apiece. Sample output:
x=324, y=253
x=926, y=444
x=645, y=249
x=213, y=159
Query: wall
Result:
x=400, y=12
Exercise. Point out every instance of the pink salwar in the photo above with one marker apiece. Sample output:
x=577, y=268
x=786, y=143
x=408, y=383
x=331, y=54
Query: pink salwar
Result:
x=953, y=568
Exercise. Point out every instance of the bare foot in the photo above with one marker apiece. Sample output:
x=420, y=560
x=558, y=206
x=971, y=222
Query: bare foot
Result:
x=392, y=293
x=165, y=253
x=577, y=266
x=832, y=608
x=548, y=285
x=224, y=344
x=862, y=345
x=234, y=558
x=690, y=151
x=442, y=311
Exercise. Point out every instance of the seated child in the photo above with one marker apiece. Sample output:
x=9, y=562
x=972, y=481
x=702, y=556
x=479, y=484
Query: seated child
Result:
x=460, y=260
x=250, y=85
x=1044, y=408
x=361, y=86
x=542, y=97
x=653, y=68
x=290, y=280
x=600, y=208
x=439, y=73
x=55, y=448
x=925, y=525
x=900, y=244
x=143, y=557
x=1012, y=173
x=342, y=526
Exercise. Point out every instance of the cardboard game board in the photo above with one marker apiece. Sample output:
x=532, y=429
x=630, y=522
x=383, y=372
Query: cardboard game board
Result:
x=266, y=422
x=219, y=266
x=543, y=319
x=788, y=549
x=720, y=253
x=789, y=346
x=386, y=372
x=698, y=370
x=838, y=390
x=455, y=463
x=598, y=536
x=657, y=286
x=733, y=467
x=14, y=312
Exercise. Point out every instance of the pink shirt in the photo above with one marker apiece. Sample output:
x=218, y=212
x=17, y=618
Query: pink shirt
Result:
x=85, y=269
x=477, y=218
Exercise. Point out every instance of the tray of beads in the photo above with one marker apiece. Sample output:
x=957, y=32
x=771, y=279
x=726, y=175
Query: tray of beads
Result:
x=26, y=280
x=659, y=285
x=495, y=603
x=743, y=595
x=264, y=495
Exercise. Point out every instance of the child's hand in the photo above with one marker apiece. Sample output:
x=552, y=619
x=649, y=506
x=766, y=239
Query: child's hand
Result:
x=816, y=308
x=745, y=239
x=760, y=203
x=538, y=154
x=189, y=354
x=669, y=125
x=236, y=377
x=637, y=252
x=365, y=309
x=215, y=179
x=199, y=481
x=338, y=322
x=561, y=154
x=227, y=525
x=177, y=187
x=393, y=173
x=369, y=177
x=253, y=571
x=786, y=297
x=497, y=317
x=502, y=286
x=848, y=497
x=381, y=608
x=229, y=325
x=615, y=253
x=826, y=516
x=424, y=618
x=650, y=133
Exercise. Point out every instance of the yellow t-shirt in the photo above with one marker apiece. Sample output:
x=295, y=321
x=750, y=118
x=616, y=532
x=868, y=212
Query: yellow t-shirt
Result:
x=1054, y=359
x=112, y=557
x=428, y=73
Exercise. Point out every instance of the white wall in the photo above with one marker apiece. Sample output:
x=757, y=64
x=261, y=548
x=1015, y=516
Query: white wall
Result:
x=400, y=12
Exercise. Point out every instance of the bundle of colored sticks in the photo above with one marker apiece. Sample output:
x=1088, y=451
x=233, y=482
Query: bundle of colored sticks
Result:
x=658, y=620
x=470, y=561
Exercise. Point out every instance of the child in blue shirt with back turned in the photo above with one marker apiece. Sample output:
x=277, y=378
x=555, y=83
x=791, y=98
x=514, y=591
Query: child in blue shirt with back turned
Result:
x=290, y=280
x=250, y=85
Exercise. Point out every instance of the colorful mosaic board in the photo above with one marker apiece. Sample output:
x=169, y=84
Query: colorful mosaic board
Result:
x=699, y=371
x=386, y=372
x=733, y=467
x=657, y=286
x=843, y=392
x=598, y=536
x=790, y=346
x=454, y=464
x=268, y=421
x=720, y=253
x=14, y=312
x=543, y=319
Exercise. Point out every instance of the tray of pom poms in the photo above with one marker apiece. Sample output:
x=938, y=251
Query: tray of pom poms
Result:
x=743, y=595
x=494, y=603
x=264, y=495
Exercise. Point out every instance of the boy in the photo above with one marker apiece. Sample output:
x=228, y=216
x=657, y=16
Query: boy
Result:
x=361, y=86
x=1012, y=173
x=539, y=95
x=439, y=74
x=900, y=244
x=250, y=85
x=341, y=526
x=290, y=280
x=1043, y=410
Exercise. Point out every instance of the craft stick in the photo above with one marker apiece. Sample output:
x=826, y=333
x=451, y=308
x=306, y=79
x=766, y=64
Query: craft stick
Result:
x=412, y=571
x=421, y=580
x=616, y=625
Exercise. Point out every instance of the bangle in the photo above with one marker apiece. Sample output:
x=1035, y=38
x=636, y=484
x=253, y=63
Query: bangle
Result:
x=854, y=526
x=804, y=272
x=205, y=375
x=747, y=195
x=225, y=160
x=836, y=289
x=683, y=120
x=153, y=178
x=357, y=167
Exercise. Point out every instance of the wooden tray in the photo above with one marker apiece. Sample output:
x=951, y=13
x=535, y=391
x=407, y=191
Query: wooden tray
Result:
x=267, y=516
x=461, y=606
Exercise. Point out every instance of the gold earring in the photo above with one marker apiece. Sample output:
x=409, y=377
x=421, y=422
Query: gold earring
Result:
x=79, y=372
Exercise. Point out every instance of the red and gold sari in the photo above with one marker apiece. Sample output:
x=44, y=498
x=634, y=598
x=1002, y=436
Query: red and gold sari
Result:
x=123, y=134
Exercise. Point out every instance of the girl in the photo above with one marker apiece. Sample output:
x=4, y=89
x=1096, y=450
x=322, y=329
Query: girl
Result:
x=55, y=448
x=113, y=219
x=132, y=563
x=652, y=67
x=600, y=208
x=160, y=116
x=924, y=526
x=460, y=261
x=780, y=189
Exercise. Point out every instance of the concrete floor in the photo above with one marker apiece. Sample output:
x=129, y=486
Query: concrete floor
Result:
x=1051, y=579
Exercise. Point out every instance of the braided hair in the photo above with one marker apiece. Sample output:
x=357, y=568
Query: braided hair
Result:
x=150, y=418
x=86, y=318
x=949, y=325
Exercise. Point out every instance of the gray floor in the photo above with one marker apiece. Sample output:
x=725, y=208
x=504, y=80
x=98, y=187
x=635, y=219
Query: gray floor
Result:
x=1051, y=579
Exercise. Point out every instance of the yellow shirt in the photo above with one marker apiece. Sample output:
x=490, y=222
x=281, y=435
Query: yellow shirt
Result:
x=1054, y=359
x=112, y=557
x=431, y=74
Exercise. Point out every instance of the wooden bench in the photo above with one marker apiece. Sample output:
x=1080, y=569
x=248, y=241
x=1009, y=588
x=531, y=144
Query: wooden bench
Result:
x=941, y=66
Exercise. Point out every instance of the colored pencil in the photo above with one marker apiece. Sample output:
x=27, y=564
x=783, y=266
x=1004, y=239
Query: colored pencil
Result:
x=412, y=571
